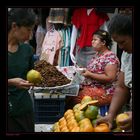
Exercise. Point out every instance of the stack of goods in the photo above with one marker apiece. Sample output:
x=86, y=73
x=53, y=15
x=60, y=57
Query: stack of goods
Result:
x=51, y=76
x=81, y=118
x=117, y=122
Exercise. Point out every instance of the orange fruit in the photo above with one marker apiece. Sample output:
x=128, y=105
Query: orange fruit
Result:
x=65, y=129
x=121, y=117
x=69, y=111
x=62, y=123
x=84, y=121
x=69, y=117
x=91, y=112
x=102, y=127
x=86, y=99
x=34, y=76
x=57, y=130
x=75, y=129
x=62, y=120
x=79, y=115
x=86, y=128
x=72, y=124
x=55, y=126
x=76, y=107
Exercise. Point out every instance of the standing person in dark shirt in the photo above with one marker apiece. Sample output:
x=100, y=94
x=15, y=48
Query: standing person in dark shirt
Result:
x=20, y=61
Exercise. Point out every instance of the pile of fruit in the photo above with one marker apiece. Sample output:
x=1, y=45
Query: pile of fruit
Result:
x=119, y=118
x=81, y=118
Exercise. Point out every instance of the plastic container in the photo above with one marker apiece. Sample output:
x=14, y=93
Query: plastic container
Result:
x=48, y=108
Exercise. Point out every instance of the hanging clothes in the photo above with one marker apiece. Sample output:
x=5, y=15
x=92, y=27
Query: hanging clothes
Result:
x=62, y=45
x=65, y=50
x=40, y=34
x=87, y=24
x=51, y=44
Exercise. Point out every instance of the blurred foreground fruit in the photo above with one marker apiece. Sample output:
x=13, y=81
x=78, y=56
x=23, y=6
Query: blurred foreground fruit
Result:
x=91, y=112
x=102, y=127
x=116, y=130
x=121, y=117
x=86, y=99
x=34, y=76
x=76, y=107
x=86, y=125
x=79, y=115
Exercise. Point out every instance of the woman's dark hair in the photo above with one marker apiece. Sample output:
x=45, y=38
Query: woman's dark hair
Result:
x=104, y=36
x=120, y=24
x=21, y=16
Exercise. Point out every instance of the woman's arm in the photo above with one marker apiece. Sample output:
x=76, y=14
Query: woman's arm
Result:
x=120, y=96
x=108, y=76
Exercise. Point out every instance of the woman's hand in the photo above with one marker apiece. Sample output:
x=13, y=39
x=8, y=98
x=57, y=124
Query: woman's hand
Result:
x=86, y=73
x=107, y=119
x=20, y=83
x=127, y=123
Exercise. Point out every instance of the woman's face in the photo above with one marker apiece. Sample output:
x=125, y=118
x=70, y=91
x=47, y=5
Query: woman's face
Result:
x=97, y=43
x=124, y=42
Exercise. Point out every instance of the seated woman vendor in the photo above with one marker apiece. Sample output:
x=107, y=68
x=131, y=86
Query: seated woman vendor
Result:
x=101, y=72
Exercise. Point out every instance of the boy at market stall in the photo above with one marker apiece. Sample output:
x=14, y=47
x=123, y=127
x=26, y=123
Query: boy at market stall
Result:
x=20, y=60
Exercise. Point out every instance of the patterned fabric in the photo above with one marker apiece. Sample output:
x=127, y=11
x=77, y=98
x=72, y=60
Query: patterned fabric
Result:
x=102, y=92
x=51, y=44
x=94, y=92
x=40, y=34
x=97, y=65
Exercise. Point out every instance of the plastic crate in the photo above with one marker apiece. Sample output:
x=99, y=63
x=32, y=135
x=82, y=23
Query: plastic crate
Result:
x=48, y=109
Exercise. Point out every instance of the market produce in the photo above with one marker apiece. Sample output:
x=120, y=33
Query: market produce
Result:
x=74, y=120
x=34, y=76
x=86, y=99
x=93, y=122
x=79, y=115
x=51, y=76
x=68, y=112
x=121, y=117
x=102, y=127
x=116, y=130
x=91, y=112
x=86, y=125
x=76, y=107
x=85, y=105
